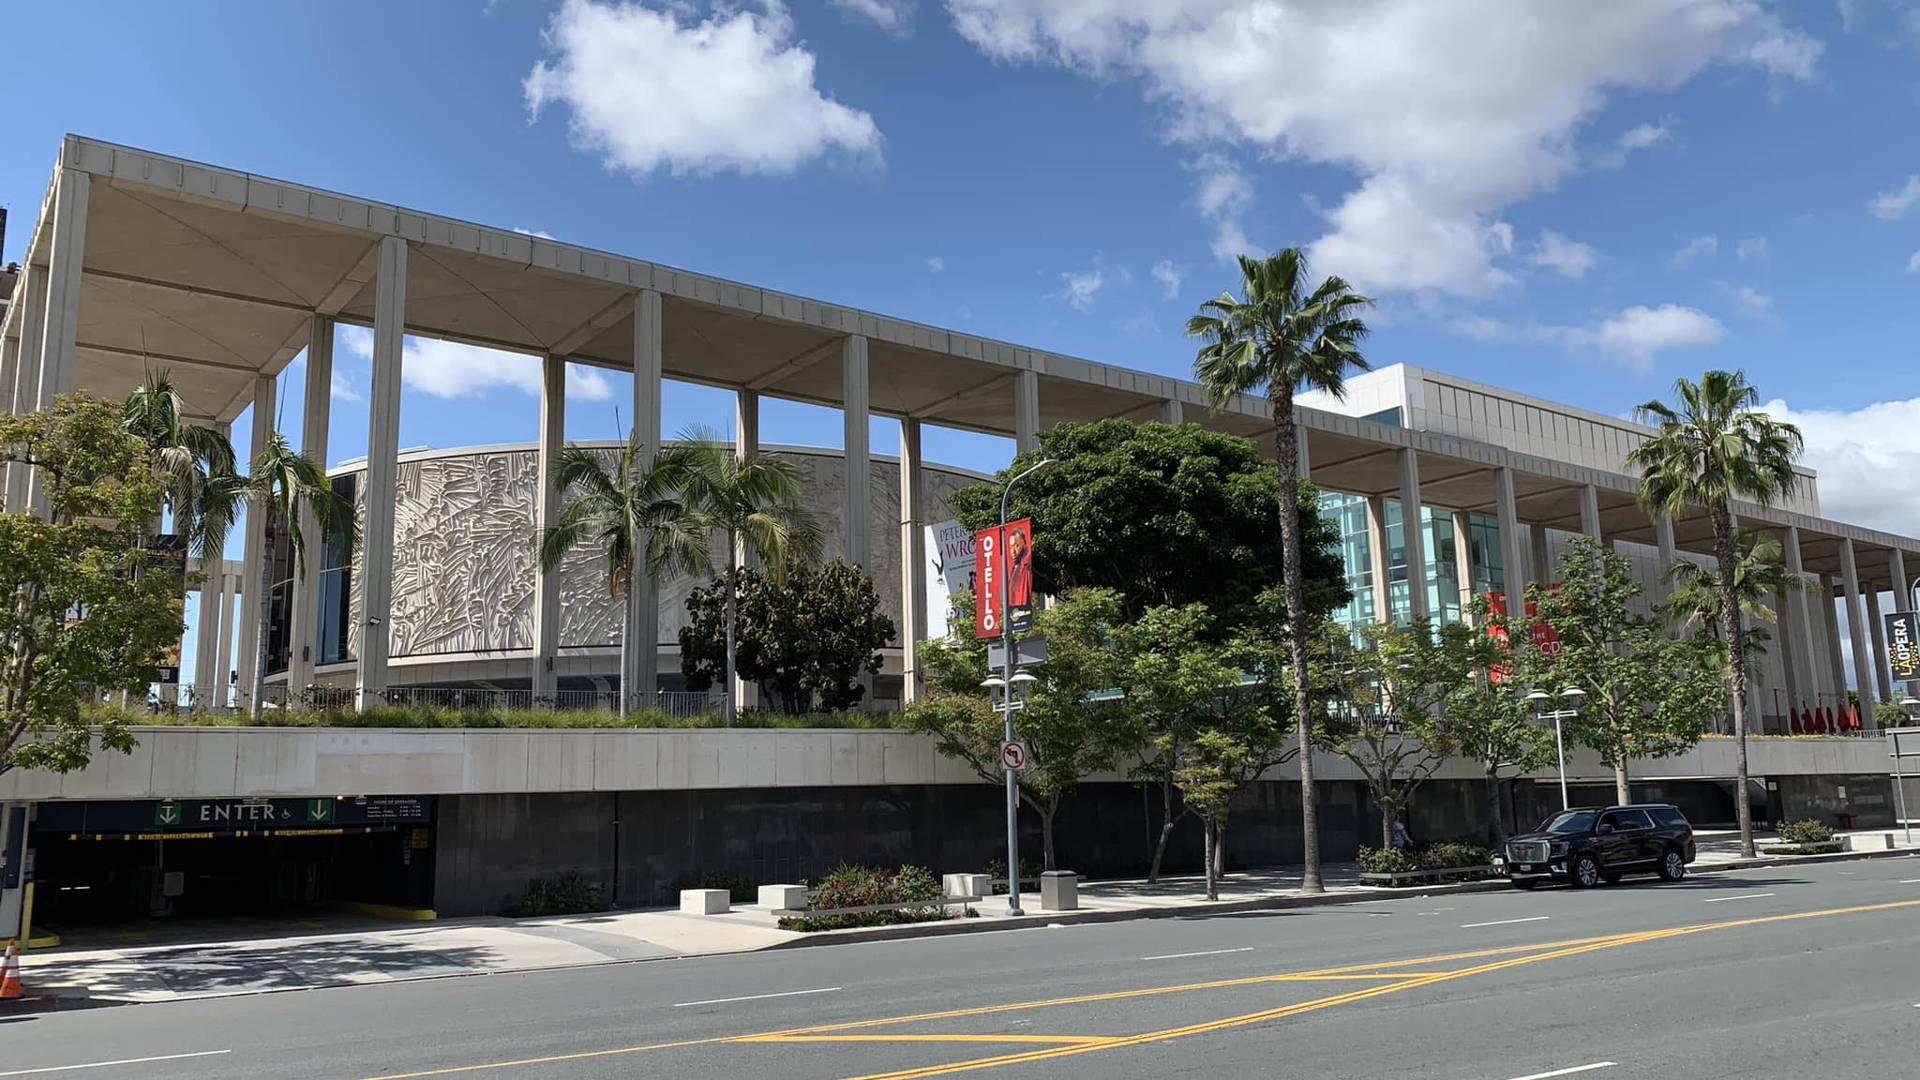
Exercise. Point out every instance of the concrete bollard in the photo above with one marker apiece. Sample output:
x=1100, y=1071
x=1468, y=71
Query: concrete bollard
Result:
x=704, y=901
x=980, y=885
x=782, y=897
x=1059, y=891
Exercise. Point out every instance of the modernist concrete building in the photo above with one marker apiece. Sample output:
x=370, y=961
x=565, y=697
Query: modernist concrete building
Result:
x=139, y=259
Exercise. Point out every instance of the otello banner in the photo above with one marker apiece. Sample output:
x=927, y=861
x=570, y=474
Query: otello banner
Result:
x=1903, y=645
x=1010, y=551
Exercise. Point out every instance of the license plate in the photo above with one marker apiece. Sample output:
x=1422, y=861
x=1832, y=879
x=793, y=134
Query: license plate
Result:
x=1525, y=867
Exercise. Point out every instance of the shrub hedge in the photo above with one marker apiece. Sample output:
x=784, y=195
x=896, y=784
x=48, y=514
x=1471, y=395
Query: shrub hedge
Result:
x=1445, y=855
x=864, y=886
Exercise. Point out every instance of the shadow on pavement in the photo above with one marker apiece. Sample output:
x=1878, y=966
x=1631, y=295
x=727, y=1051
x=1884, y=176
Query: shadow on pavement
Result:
x=281, y=965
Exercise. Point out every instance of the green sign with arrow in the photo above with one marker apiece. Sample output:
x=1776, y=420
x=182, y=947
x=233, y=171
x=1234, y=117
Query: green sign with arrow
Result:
x=166, y=814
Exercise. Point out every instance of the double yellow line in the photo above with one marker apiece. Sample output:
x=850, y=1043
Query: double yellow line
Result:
x=1399, y=978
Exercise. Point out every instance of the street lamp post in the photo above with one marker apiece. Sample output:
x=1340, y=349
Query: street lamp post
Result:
x=1912, y=708
x=1009, y=684
x=1573, y=695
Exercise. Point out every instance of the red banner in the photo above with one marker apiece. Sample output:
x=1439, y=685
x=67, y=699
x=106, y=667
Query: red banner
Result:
x=988, y=562
x=1539, y=634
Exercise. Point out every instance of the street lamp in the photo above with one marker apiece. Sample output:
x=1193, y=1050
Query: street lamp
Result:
x=1011, y=685
x=1573, y=696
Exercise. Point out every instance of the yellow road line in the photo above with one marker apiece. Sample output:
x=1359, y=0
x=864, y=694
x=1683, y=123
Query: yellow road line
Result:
x=903, y=1038
x=1406, y=980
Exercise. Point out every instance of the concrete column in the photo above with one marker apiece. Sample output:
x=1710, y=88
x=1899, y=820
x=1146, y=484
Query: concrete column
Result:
x=1590, y=512
x=61, y=326
x=254, y=555
x=643, y=600
x=223, y=648
x=1837, y=667
x=303, y=610
x=1902, y=590
x=9, y=359
x=1463, y=558
x=1862, y=662
x=1507, y=517
x=1026, y=410
x=1799, y=625
x=1541, y=565
x=1882, y=677
x=1305, y=446
x=1377, y=551
x=859, y=495
x=382, y=473
x=1663, y=541
x=913, y=558
x=1172, y=412
x=1413, y=535
x=746, y=445
x=206, y=646
x=26, y=374
x=546, y=514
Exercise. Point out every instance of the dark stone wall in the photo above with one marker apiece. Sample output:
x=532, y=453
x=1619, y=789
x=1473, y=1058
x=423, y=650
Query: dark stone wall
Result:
x=644, y=846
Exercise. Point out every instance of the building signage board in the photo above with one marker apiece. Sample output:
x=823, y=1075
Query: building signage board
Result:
x=988, y=563
x=166, y=816
x=1903, y=645
x=1539, y=634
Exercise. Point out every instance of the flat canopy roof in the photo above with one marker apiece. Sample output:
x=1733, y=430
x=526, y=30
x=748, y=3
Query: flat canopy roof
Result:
x=216, y=273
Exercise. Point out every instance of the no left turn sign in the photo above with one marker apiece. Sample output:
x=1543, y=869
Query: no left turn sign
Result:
x=1013, y=756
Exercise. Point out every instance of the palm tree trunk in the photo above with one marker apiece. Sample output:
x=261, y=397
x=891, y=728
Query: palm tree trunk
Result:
x=1287, y=447
x=1736, y=643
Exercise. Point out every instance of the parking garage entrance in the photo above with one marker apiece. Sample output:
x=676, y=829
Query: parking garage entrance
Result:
x=114, y=861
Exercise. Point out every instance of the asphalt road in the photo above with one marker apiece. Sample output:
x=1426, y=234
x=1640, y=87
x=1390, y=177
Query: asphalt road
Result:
x=1798, y=972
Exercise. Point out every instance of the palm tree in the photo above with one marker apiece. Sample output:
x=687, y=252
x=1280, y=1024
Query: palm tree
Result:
x=1276, y=340
x=758, y=504
x=1712, y=447
x=1760, y=578
x=634, y=513
x=185, y=457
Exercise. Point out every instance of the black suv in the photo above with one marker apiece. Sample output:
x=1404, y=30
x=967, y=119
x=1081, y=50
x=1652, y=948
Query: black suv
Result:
x=1586, y=846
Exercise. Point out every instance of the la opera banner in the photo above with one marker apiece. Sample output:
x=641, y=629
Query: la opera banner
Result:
x=1903, y=645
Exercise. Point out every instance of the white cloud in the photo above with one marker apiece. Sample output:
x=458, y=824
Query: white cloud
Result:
x=1891, y=205
x=1645, y=136
x=1570, y=258
x=1866, y=458
x=935, y=264
x=447, y=369
x=1445, y=112
x=1082, y=287
x=893, y=16
x=1634, y=334
x=1223, y=193
x=533, y=232
x=1752, y=249
x=1913, y=263
x=652, y=89
x=1696, y=248
x=1751, y=301
x=1169, y=276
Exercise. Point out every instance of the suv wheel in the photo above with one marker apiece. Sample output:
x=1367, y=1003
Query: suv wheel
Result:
x=1585, y=872
x=1673, y=865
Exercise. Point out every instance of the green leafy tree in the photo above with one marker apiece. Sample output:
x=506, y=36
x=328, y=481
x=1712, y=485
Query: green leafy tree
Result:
x=1283, y=335
x=1387, y=710
x=758, y=506
x=632, y=511
x=806, y=637
x=84, y=618
x=1175, y=678
x=1715, y=445
x=1070, y=734
x=1163, y=514
x=1493, y=723
x=1240, y=741
x=1647, y=693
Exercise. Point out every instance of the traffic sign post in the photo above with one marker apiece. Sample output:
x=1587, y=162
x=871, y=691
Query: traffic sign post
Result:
x=1013, y=756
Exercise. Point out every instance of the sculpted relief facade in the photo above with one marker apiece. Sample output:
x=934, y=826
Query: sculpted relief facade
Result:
x=464, y=549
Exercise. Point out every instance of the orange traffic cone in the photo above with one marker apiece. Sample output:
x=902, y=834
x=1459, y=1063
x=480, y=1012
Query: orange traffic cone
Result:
x=10, y=973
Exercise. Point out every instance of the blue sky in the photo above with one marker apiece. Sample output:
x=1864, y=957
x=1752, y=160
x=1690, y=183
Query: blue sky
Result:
x=1578, y=201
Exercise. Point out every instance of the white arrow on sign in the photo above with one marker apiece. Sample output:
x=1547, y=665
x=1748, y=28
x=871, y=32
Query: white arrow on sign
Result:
x=1013, y=756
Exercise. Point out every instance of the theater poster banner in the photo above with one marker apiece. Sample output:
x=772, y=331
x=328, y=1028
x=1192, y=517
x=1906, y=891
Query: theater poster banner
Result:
x=950, y=574
x=1903, y=645
x=1017, y=538
x=1539, y=634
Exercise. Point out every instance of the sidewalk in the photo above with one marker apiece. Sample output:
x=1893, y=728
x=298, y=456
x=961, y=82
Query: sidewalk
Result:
x=292, y=961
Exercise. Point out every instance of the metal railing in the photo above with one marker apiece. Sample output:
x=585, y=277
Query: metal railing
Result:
x=222, y=700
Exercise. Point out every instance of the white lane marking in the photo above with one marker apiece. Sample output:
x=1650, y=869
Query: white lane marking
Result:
x=1568, y=1072
x=122, y=1061
x=1504, y=922
x=1742, y=896
x=1910, y=881
x=1184, y=955
x=755, y=997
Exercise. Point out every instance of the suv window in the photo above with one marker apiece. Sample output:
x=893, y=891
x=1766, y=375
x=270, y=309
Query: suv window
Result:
x=1633, y=819
x=1671, y=817
x=1569, y=821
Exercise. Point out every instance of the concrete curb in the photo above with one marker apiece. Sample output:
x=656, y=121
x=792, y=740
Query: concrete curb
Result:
x=1229, y=907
